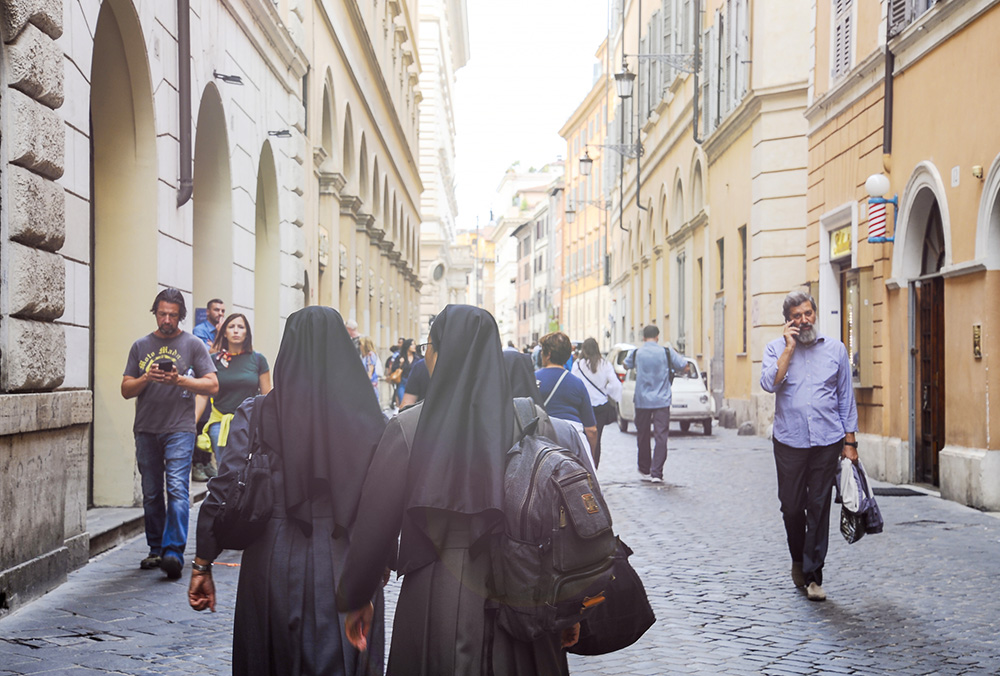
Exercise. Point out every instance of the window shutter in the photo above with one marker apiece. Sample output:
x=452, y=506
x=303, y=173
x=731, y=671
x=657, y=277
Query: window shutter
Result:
x=656, y=86
x=899, y=16
x=667, y=42
x=743, y=78
x=706, y=83
x=843, y=29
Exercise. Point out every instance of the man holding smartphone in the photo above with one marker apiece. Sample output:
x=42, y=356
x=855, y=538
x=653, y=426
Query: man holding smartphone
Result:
x=163, y=369
x=815, y=420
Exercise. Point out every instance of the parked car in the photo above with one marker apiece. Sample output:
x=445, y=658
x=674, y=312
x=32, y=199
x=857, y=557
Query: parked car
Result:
x=691, y=401
x=616, y=355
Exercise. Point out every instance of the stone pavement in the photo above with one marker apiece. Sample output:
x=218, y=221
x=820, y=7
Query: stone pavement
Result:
x=918, y=599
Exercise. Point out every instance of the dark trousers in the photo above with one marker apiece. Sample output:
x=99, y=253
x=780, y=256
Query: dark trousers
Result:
x=660, y=418
x=805, y=477
x=603, y=414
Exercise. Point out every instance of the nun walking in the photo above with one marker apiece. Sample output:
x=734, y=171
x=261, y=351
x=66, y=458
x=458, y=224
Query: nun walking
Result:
x=321, y=425
x=437, y=482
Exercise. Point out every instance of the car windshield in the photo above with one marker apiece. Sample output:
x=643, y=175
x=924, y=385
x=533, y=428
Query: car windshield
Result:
x=690, y=372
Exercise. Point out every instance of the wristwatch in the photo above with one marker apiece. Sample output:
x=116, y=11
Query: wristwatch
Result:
x=851, y=443
x=206, y=568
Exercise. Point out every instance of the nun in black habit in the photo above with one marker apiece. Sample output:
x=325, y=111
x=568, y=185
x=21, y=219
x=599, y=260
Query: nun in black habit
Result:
x=320, y=424
x=437, y=481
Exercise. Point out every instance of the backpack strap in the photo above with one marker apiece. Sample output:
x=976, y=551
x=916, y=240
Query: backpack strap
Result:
x=670, y=366
x=554, y=388
x=584, y=374
x=524, y=412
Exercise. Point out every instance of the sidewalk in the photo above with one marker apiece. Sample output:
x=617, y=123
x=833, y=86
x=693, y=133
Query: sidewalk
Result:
x=918, y=599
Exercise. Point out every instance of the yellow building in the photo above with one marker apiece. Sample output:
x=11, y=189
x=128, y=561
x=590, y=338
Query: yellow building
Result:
x=914, y=312
x=587, y=215
x=362, y=203
x=713, y=224
x=482, y=281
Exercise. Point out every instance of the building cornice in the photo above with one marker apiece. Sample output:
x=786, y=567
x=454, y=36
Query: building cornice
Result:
x=264, y=15
x=863, y=78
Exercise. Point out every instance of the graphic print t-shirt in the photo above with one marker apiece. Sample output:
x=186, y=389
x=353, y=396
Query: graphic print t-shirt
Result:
x=159, y=408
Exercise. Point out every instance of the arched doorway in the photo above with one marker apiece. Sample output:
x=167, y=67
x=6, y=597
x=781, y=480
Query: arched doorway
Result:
x=929, y=291
x=267, y=265
x=212, y=229
x=123, y=238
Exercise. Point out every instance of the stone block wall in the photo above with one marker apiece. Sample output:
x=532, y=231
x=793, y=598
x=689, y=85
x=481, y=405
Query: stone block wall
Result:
x=44, y=435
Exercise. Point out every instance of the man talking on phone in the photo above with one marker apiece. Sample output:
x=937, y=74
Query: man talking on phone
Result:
x=815, y=419
x=165, y=369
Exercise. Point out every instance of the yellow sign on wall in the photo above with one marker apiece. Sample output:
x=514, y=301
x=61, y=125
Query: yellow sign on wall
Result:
x=840, y=242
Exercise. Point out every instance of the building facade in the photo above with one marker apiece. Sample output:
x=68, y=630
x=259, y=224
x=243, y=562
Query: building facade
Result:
x=445, y=267
x=154, y=144
x=712, y=213
x=587, y=215
x=887, y=82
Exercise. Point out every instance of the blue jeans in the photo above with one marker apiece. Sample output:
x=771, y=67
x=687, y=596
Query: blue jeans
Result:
x=170, y=455
x=213, y=434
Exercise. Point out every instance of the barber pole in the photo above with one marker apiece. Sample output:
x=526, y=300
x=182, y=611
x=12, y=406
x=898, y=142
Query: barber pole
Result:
x=876, y=219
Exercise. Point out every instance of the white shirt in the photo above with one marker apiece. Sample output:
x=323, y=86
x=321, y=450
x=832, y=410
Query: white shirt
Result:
x=605, y=379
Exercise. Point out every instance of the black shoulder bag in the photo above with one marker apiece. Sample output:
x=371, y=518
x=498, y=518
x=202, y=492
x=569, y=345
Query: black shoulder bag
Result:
x=250, y=500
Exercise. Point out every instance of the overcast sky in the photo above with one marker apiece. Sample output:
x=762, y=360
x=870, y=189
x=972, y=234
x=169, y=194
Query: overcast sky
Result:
x=531, y=63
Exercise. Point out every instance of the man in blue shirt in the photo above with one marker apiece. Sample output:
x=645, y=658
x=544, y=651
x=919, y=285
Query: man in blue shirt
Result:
x=815, y=419
x=215, y=312
x=652, y=399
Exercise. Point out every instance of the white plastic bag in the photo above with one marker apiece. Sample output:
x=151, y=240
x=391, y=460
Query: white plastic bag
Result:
x=849, y=493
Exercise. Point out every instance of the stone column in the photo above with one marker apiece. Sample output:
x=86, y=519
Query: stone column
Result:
x=349, y=205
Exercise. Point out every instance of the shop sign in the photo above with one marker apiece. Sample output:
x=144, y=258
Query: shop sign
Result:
x=840, y=242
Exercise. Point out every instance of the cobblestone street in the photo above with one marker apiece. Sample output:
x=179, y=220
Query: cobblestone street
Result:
x=918, y=599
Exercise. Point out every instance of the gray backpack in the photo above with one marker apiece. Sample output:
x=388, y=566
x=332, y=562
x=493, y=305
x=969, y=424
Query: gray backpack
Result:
x=553, y=561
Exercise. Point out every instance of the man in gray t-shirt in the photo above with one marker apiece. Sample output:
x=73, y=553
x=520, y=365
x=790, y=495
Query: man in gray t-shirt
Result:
x=164, y=371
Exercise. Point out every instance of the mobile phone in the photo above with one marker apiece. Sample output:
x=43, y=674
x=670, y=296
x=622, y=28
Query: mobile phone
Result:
x=165, y=365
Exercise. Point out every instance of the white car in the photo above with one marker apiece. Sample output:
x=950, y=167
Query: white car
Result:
x=691, y=400
x=616, y=355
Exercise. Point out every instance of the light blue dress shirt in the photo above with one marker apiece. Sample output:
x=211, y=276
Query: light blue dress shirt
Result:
x=652, y=379
x=814, y=404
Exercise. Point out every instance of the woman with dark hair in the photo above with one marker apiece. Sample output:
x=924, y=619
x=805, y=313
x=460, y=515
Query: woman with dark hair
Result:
x=319, y=426
x=242, y=373
x=405, y=359
x=437, y=482
x=603, y=386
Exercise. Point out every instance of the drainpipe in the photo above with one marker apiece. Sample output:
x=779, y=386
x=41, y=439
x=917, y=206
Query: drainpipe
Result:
x=890, y=64
x=697, y=67
x=185, y=186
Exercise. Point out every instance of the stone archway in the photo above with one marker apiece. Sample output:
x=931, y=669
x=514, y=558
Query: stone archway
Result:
x=124, y=266
x=988, y=223
x=267, y=258
x=212, y=228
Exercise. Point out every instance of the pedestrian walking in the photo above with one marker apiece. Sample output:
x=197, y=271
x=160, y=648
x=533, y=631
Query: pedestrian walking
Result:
x=437, y=482
x=405, y=360
x=564, y=395
x=523, y=384
x=369, y=358
x=242, y=373
x=352, y=331
x=603, y=386
x=417, y=383
x=320, y=426
x=208, y=329
x=164, y=371
x=815, y=420
x=653, y=394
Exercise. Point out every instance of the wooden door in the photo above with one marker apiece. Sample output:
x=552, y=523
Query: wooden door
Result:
x=930, y=389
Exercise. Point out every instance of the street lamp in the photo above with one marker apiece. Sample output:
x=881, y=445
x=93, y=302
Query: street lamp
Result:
x=570, y=214
x=624, y=81
x=586, y=164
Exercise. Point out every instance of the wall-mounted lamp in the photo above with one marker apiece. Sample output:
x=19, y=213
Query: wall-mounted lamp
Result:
x=228, y=79
x=624, y=81
x=281, y=133
x=570, y=214
x=877, y=186
x=586, y=164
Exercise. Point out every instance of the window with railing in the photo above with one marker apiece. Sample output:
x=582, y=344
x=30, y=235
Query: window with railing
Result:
x=904, y=12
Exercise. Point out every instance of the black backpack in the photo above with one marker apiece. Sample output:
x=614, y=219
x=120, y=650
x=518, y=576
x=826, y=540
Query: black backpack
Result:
x=553, y=561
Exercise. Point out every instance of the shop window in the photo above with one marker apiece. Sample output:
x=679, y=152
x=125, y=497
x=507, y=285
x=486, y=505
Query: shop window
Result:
x=856, y=327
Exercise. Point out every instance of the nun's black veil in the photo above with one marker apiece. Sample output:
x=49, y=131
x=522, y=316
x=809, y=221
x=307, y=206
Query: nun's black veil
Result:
x=466, y=427
x=322, y=416
x=521, y=375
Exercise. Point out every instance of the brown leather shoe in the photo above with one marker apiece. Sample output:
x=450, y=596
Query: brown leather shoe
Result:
x=815, y=592
x=798, y=577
